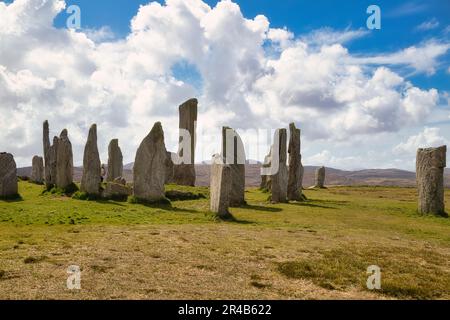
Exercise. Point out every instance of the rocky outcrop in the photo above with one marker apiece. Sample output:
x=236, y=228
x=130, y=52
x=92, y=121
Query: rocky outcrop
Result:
x=37, y=170
x=115, y=160
x=220, y=187
x=184, y=170
x=430, y=164
x=149, y=167
x=91, y=179
x=233, y=154
x=8, y=176
x=116, y=191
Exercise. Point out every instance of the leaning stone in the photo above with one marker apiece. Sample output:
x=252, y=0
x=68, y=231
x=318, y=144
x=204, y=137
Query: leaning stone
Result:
x=220, y=187
x=149, y=167
x=37, y=170
x=115, y=160
x=8, y=176
x=279, y=179
x=430, y=166
x=295, y=165
x=233, y=153
x=184, y=172
x=91, y=179
x=64, y=161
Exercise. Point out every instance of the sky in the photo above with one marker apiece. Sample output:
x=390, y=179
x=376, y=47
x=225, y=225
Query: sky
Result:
x=363, y=98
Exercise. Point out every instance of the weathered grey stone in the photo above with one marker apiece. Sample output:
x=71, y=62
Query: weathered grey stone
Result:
x=120, y=180
x=37, y=170
x=115, y=161
x=169, y=167
x=49, y=180
x=320, y=178
x=184, y=172
x=430, y=164
x=220, y=187
x=233, y=154
x=116, y=191
x=8, y=176
x=266, y=182
x=279, y=179
x=91, y=179
x=295, y=180
x=64, y=161
x=149, y=166
x=52, y=154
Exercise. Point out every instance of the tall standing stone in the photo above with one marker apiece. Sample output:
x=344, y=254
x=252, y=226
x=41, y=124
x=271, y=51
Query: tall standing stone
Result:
x=279, y=179
x=37, y=170
x=320, y=178
x=184, y=173
x=295, y=180
x=220, y=187
x=149, y=173
x=91, y=179
x=430, y=164
x=266, y=183
x=8, y=176
x=233, y=154
x=64, y=161
x=49, y=180
x=115, y=161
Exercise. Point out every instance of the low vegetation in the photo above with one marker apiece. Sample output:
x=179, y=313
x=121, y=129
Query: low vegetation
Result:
x=318, y=249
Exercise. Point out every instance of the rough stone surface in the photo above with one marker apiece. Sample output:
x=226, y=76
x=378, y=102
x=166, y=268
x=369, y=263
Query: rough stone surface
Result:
x=220, y=187
x=320, y=178
x=64, y=161
x=430, y=164
x=37, y=170
x=169, y=167
x=8, y=176
x=116, y=191
x=279, y=179
x=184, y=173
x=295, y=180
x=266, y=182
x=49, y=180
x=115, y=161
x=233, y=154
x=52, y=163
x=149, y=166
x=120, y=180
x=91, y=179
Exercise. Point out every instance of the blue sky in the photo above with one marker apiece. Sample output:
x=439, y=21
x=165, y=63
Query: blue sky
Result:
x=363, y=98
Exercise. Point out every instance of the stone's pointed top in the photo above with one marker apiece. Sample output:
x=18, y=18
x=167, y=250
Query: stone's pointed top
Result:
x=46, y=123
x=55, y=139
x=192, y=101
x=157, y=132
x=93, y=128
x=114, y=142
x=64, y=134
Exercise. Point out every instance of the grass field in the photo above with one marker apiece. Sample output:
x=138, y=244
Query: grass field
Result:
x=319, y=249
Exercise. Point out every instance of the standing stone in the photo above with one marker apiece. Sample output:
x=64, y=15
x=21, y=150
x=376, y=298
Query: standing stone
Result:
x=149, y=166
x=233, y=154
x=320, y=178
x=280, y=177
x=49, y=180
x=91, y=179
x=52, y=154
x=430, y=166
x=295, y=165
x=37, y=170
x=169, y=167
x=115, y=161
x=64, y=161
x=184, y=173
x=220, y=187
x=266, y=183
x=8, y=176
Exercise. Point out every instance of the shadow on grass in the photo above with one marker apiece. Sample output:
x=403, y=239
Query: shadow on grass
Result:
x=261, y=208
x=11, y=199
x=311, y=205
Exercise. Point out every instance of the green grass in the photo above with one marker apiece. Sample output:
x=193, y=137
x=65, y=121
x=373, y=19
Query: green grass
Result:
x=319, y=248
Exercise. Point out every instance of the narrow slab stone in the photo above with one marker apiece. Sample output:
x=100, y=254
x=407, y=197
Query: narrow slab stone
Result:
x=8, y=176
x=115, y=161
x=184, y=172
x=279, y=180
x=233, y=153
x=37, y=170
x=149, y=166
x=320, y=178
x=430, y=164
x=64, y=161
x=220, y=187
x=49, y=179
x=91, y=179
x=295, y=180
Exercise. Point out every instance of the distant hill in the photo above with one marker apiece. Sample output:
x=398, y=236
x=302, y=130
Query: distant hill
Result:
x=373, y=177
